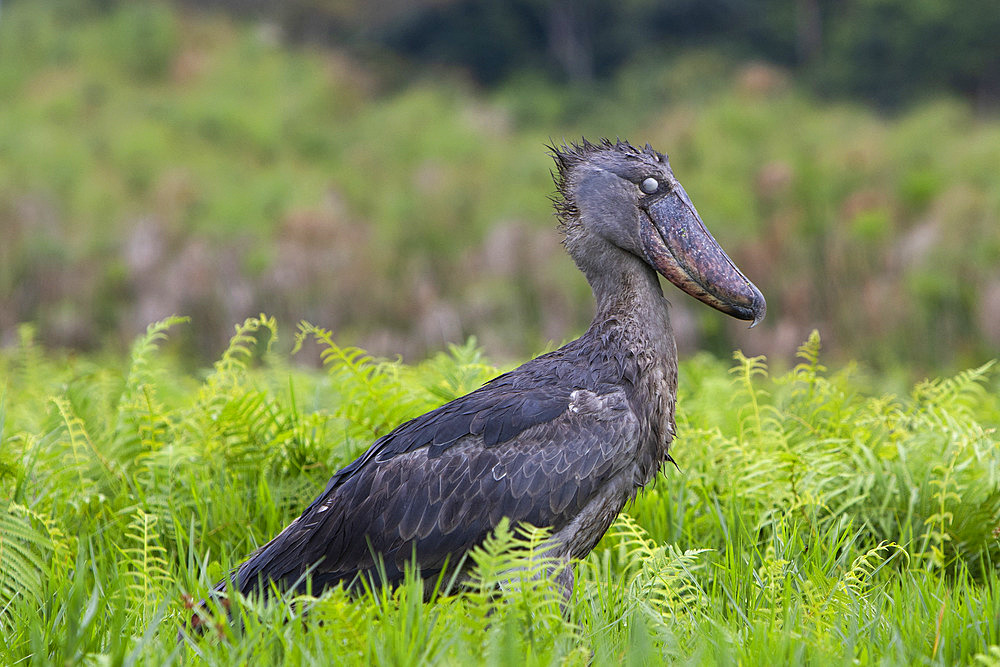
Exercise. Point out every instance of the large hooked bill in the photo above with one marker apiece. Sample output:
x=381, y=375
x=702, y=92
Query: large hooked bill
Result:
x=680, y=247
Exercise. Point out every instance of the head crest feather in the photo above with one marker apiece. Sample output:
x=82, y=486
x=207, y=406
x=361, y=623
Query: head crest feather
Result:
x=568, y=155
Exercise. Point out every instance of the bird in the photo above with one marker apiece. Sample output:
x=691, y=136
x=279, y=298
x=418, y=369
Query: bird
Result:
x=562, y=442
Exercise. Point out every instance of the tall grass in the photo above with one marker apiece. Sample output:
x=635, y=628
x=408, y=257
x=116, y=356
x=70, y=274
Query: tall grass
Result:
x=814, y=518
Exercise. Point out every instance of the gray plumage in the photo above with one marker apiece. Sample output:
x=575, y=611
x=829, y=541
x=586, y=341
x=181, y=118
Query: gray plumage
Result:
x=564, y=441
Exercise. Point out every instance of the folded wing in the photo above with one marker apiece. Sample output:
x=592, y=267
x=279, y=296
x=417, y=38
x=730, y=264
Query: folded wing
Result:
x=437, y=485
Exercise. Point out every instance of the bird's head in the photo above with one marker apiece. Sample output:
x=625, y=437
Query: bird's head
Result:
x=613, y=197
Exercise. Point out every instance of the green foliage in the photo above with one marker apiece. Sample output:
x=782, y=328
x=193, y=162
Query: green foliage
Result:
x=518, y=565
x=161, y=160
x=814, y=520
x=145, y=561
x=144, y=39
x=23, y=551
x=658, y=577
x=875, y=49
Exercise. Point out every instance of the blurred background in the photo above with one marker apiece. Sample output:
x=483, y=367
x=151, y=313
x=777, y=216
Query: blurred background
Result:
x=383, y=173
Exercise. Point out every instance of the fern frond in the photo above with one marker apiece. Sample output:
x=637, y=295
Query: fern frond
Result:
x=374, y=397
x=521, y=563
x=246, y=429
x=143, y=349
x=241, y=350
x=659, y=574
x=940, y=521
x=854, y=592
x=360, y=367
x=512, y=555
x=145, y=559
x=745, y=372
x=808, y=372
x=808, y=351
x=963, y=388
x=62, y=546
x=140, y=426
x=24, y=554
x=447, y=376
x=863, y=568
x=82, y=447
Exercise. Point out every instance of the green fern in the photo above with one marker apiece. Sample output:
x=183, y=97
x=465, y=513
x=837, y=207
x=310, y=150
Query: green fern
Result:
x=959, y=391
x=228, y=370
x=143, y=483
x=810, y=369
x=140, y=361
x=91, y=467
x=747, y=370
x=372, y=396
x=446, y=376
x=25, y=554
x=660, y=575
x=939, y=523
x=141, y=425
x=510, y=558
x=519, y=564
x=863, y=569
x=145, y=561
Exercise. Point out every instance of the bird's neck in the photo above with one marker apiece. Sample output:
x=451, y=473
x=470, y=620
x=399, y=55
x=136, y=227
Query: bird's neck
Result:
x=627, y=291
x=633, y=326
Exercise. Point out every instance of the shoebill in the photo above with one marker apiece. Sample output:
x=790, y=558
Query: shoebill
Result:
x=565, y=440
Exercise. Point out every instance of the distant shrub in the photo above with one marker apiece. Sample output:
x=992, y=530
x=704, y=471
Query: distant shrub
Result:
x=143, y=39
x=884, y=233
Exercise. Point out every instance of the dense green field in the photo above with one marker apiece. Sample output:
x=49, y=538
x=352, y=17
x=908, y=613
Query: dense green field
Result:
x=813, y=519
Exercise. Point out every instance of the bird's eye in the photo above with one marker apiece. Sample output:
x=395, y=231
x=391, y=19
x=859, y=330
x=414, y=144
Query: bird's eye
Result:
x=649, y=185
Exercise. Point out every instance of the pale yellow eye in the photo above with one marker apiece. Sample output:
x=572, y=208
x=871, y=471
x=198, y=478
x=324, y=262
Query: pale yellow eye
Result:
x=649, y=185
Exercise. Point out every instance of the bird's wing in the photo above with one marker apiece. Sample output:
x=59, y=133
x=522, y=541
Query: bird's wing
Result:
x=437, y=488
x=497, y=412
